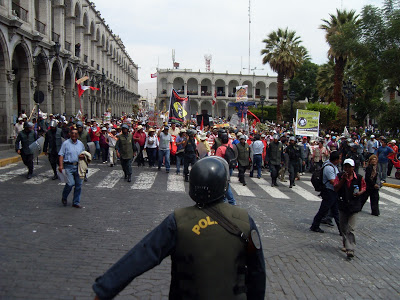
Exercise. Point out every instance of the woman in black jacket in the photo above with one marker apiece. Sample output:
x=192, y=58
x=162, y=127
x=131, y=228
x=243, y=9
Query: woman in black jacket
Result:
x=371, y=179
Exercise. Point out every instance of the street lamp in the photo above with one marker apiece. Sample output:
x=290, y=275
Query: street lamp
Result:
x=292, y=96
x=262, y=100
x=349, y=90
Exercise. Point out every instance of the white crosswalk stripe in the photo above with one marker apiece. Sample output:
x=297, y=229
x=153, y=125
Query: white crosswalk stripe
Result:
x=175, y=183
x=305, y=194
x=241, y=190
x=386, y=196
x=272, y=191
x=91, y=172
x=144, y=181
x=8, y=166
x=111, y=179
x=12, y=174
x=40, y=178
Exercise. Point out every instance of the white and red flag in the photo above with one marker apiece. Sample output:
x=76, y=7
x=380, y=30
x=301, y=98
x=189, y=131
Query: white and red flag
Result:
x=153, y=75
x=215, y=98
x=83, y=88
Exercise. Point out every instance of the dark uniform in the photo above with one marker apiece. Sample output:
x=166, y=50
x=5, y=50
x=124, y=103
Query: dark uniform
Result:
x=189, y=155
x=84, y=137
x=274, y=157
x=208, y=262
x=52, y=145
x=126, y=147
x=26, y=138
x=293, y=152
x=243, y=160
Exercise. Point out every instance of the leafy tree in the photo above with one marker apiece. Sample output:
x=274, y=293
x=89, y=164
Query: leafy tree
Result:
x=325, y=81
x=389, y=121
x=286, y=109
x=328, y=113
x=342, y=36
x=284, y=53
x=304, y=82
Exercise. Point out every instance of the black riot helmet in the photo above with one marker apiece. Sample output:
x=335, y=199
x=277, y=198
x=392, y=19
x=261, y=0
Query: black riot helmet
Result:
x=208, y=180
x=224, y=138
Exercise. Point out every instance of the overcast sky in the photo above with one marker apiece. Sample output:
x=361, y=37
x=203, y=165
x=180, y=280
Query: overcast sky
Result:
x=150, y=29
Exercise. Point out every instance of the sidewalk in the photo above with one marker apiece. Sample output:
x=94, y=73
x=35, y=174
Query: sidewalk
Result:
x=8, y=156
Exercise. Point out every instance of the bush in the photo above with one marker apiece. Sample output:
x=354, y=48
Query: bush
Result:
x=286, y=109
x=269, y=112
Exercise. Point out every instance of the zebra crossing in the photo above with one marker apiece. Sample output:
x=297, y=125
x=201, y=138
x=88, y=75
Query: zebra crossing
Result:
x=146, y=179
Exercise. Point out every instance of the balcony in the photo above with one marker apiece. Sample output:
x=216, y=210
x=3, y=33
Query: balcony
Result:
x=40, y=26
x=67, y=46
x=55, y=37
x=205, y=93
x=220, y=94
x=98, y=67
x=92, y=63
x=85, y=58
x=192, y=93
x=20, y=12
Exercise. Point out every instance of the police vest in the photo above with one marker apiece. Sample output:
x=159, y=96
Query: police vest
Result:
x=209, y=262
x=125, y=146
x=83, y=138
x=57, y=137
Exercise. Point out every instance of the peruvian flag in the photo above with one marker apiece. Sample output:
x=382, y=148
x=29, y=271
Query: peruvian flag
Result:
x=83, y=88
x=153, y=75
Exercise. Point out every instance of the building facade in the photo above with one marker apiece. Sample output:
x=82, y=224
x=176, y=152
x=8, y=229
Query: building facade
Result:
x=203, y=87
x=45, y=45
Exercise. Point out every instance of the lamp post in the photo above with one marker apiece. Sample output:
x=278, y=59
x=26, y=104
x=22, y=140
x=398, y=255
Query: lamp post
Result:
x=349, y=90
x=292, y=96
x=262, y=100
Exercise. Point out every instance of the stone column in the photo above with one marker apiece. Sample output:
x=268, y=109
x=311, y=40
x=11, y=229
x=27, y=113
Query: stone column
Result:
x=7, y=109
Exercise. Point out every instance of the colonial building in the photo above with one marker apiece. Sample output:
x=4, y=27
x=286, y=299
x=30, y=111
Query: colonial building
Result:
x=202, y=87
x=45, y=45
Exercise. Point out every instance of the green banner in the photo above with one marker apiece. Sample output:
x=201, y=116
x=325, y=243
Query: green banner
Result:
x=307, y=123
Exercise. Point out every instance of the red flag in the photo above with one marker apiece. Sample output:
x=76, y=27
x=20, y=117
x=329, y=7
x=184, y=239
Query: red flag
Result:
x=255, y=117
x=83, y=88
x=202, y=123
x=153, y=75
x=215, y=98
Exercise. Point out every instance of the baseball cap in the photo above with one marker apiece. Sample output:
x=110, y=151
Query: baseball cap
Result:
x=349, y=161
x=372, y=136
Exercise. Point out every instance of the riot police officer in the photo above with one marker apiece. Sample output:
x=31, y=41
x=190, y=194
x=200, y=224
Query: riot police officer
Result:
x=293, y=151
x=126, y=149
x=84, y=137
x=190, y=153
x=26, y=137
x=52, y=145
x=208, y=261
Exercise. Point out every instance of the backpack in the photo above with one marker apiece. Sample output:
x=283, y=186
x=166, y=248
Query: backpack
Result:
x=230, y=157
x=317, y=178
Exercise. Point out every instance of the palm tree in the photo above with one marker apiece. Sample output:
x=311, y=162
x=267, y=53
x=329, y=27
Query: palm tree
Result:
x=325, y=80
x=284, y=54
x=342, y=37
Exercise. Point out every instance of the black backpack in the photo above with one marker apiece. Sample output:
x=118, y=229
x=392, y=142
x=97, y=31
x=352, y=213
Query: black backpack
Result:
x=230, y=157
x=317, y=178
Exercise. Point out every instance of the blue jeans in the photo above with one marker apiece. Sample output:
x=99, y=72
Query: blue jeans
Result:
x=73, y=180
x=229, y=195
x=257, y=158
x=179, y=161
x=161, y=154
x=329, y=202
x=97, y=152
x=151, y=154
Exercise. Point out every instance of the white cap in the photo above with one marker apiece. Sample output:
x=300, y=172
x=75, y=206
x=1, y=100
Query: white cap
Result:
x=203, y=137
x=24, y=116
x=349, y=161
x=372, y=136
x=104, y=128
x=393, y=141
x=20, y=119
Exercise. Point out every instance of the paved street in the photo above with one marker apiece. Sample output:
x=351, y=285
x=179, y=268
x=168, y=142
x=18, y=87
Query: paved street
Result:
x=53, y=252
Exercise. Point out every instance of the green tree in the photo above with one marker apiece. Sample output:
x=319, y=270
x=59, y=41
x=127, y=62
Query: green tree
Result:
x=325, y=81
x=304, y=82
x=342, y=35
x=389, y=120
x=284, y=53
x=328, y=113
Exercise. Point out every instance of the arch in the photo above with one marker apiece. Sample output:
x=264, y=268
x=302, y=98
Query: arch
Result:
x=261, y=89
x=231, y=111
x=6, y=117
x=206, y=107
x=20, y=64
x=273, y=90
x=220, y=109
x=57, y=99
x=86, y=23
x=78, y=74
x=232, y=88
x=42, y=75
x=102, y=40
x=179, y=85
x=194, y=107
x=164, y=87
x=192, y=86
x=220, y=87
x=69, y=87
x=77, y=14
x=92, y=30
x=98, y=35
x=249, y=88
x=205, y=87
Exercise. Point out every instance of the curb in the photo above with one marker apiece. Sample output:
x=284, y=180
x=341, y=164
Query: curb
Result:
x=10, y=160
x=396, y=186
x=6, y=161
